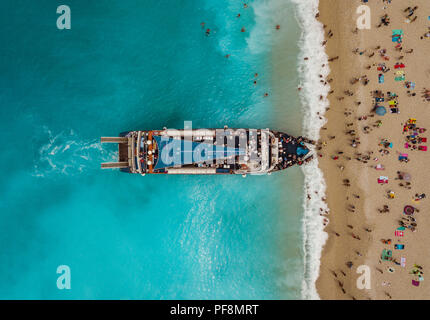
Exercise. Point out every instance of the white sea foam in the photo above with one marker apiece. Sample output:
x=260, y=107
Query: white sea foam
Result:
x=314, y=108
x=66, y=153
x=268, y=13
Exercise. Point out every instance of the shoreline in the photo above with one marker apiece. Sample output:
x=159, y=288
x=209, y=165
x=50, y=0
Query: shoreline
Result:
x=311, y=59
x=355, y=226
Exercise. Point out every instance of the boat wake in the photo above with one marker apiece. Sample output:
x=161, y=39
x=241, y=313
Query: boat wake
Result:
x=67, y=154
x=314, y=103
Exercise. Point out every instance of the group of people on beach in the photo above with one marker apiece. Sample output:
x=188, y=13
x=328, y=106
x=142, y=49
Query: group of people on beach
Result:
x=415, y=140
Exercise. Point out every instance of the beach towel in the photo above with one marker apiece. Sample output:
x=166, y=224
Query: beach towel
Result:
x=379, y=167
x=400, y=72
x=406, y=145
x=382, y=179
x=410, y=85
x=386, y=254
x=381, y=78
x=399, y=65
x=415, y=283
x=393, y=103
x=397, y=32
x=399, y=246
x=403, y=262
x=423, y=139
x=422, y=148
x=398, y=233
x=402, y=78
x=394, y=110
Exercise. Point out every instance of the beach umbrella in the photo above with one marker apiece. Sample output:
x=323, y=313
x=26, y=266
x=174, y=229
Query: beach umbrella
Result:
x=380, y=111
x=408, y=210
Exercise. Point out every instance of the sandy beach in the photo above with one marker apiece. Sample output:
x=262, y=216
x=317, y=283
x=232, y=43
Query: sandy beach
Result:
x=358, y=147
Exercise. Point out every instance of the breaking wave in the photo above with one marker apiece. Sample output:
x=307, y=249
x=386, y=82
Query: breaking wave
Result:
x=314, y=103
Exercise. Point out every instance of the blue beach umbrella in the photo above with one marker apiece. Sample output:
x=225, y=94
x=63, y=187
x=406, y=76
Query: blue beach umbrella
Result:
x=380, y=111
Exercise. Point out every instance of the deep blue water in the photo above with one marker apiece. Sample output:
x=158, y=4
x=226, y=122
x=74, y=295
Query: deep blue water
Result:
x=128, y=65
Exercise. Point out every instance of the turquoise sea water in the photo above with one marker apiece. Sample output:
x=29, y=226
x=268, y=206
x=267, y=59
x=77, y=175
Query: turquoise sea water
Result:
x=129, y=65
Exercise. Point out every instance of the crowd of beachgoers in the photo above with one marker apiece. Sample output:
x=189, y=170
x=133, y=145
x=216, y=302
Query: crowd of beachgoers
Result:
x=382, y=134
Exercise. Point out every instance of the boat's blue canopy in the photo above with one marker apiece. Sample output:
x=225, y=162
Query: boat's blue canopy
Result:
x=302, y=151
x=181, y=152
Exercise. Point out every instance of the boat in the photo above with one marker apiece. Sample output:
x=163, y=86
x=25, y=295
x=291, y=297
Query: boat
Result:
x=208, y=151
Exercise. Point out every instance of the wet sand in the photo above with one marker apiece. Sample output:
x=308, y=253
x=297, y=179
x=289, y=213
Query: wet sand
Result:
x=349, y=215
